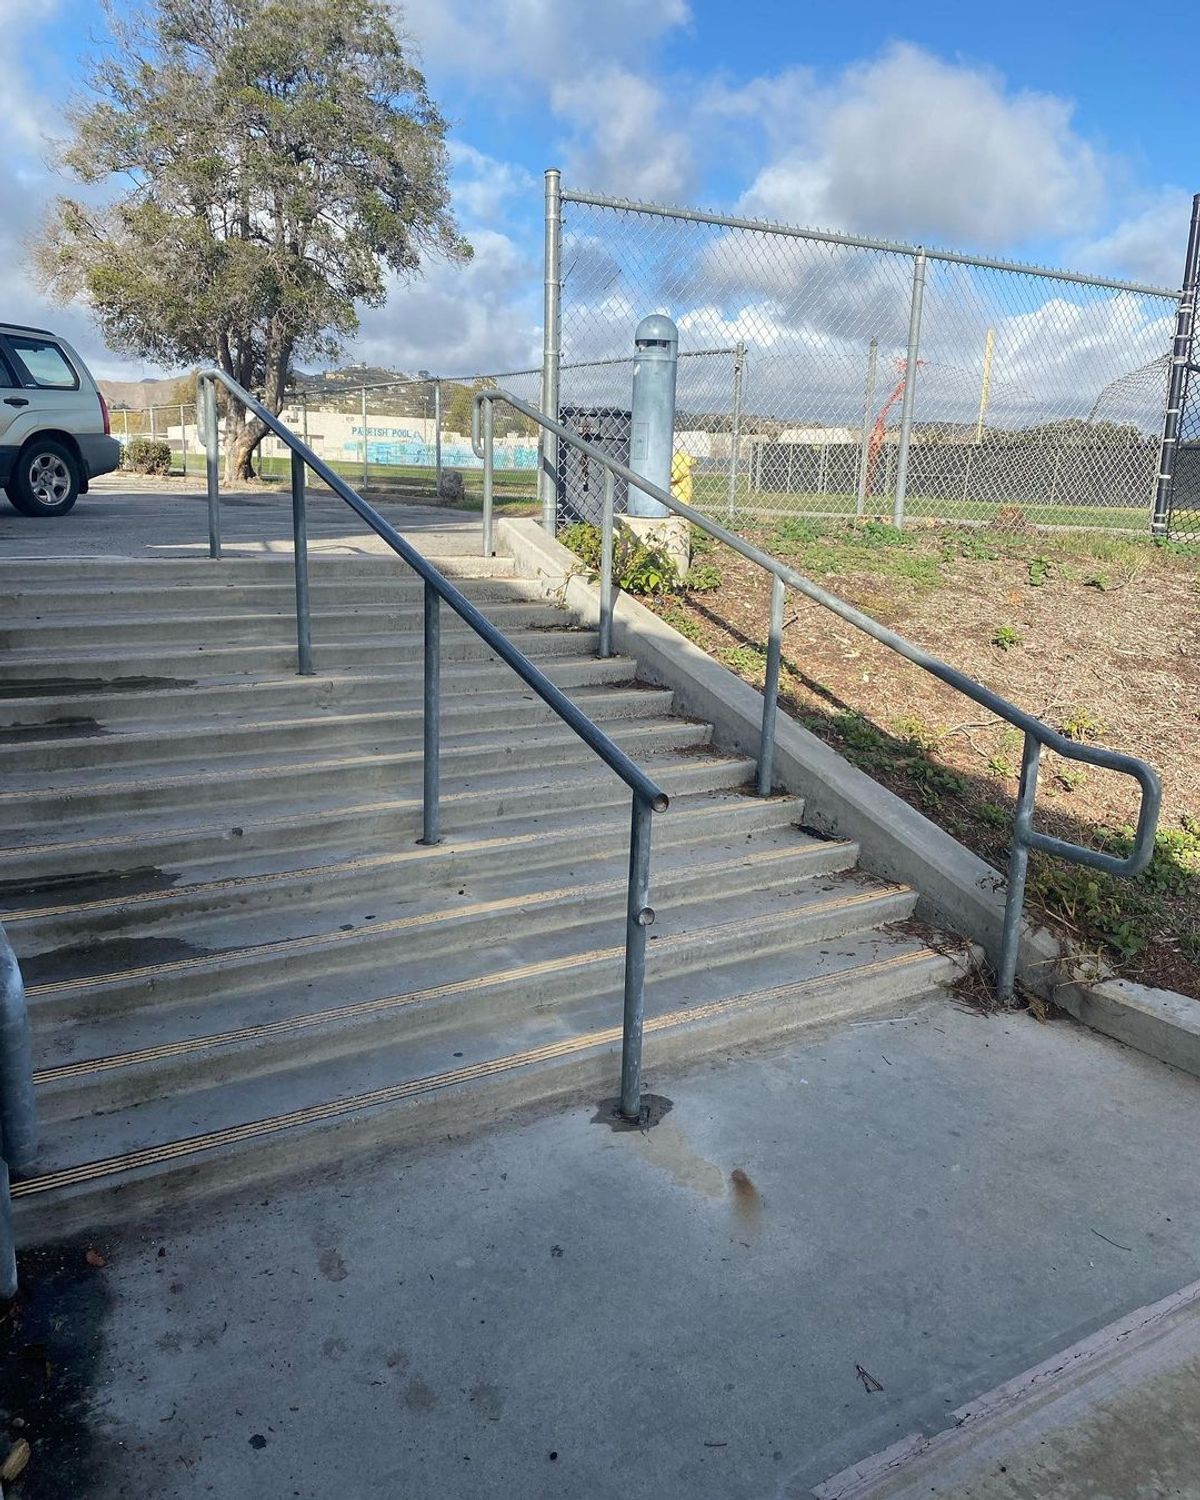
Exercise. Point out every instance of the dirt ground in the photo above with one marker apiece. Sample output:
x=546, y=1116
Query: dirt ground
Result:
x=1098, y=636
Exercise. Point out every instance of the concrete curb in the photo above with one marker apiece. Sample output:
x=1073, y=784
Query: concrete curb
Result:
x=1161, y=1023
x=958, y=890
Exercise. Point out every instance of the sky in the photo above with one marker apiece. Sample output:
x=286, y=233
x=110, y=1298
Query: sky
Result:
x=1055, y=132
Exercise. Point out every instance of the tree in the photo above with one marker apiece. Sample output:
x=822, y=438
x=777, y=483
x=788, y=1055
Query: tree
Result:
x=283, y=157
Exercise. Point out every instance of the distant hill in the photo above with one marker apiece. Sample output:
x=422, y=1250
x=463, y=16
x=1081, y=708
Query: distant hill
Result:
x=136, y=393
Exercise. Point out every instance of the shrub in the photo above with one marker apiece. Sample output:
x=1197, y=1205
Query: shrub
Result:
x=143, y=455
x=1006, y=637
x=638, y=568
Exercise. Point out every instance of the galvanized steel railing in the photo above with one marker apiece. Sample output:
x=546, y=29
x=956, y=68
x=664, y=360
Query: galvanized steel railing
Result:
x=1037, y=734
x=647, y=796
x=18, y=1120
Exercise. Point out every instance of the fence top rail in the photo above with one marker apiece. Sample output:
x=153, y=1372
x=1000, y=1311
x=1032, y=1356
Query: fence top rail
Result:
x=349, y=388
x=861, y=242
x=594, y=737
x=1035, y=728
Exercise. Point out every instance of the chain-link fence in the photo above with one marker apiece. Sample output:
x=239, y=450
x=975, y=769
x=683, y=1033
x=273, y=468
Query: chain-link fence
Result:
x=1185, y=478
x=879, y=379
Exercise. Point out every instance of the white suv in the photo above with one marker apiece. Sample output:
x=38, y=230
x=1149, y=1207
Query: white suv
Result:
x=54, y=425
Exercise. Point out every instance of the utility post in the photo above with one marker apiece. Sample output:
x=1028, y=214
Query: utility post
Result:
x=551, y=350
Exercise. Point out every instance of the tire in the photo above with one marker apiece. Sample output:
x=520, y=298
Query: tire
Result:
x=45, y=479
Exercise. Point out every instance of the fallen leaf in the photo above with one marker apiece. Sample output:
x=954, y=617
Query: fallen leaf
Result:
x=94, y=1258
x=14, y=1464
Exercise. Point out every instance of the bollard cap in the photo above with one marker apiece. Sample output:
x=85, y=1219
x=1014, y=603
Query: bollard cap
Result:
x=656, y=331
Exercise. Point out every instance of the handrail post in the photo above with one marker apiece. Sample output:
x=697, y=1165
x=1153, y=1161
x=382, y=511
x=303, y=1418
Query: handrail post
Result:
x=766, y=744
x=18, y=1118
x=606, y=552
x=639, y=916
x=211, y=461
x=1018, y=868
x=304, y=664
x=431, y=822
x=489, y=465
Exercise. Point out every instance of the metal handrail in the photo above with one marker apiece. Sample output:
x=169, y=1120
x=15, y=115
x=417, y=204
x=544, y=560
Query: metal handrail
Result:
x=647, y=796
x=18, y=1118
x=1037, y=734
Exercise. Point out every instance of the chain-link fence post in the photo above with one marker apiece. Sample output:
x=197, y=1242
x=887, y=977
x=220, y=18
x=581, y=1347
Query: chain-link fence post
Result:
x=365, y=456
x=153, y=427
x=304, y=416
x=183, y=439
x=735, y=425
x=864, y=445
x=910, y=387
x=437, y=436
x=1181, y=354
x=551, y=349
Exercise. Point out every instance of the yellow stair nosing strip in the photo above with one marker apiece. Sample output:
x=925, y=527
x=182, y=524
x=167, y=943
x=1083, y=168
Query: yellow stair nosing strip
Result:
x=400, y=857
x=527, y=900
x=355, y=810
x=392, y=1093
x=723, y=931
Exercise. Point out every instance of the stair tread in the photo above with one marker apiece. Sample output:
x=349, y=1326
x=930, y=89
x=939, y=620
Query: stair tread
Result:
x=417, y=1056
x=364, y=925
x=718, y=816
x=518, y=787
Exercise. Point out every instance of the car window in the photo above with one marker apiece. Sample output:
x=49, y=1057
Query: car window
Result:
x=7, y=379
x=45, y=362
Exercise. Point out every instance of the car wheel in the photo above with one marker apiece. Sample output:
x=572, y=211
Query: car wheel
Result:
x=45, y=479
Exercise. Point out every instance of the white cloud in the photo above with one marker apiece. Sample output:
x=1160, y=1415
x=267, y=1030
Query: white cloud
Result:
x=458, y=320
x=908, y=145
x=503, y=44
x=484, y=189
x=1147, y=246
x=623, y=141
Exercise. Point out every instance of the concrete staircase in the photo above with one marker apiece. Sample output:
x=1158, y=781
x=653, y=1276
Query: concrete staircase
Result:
x=239, y=961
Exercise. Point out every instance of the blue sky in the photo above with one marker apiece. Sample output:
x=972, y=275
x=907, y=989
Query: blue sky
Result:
x=1055, y=132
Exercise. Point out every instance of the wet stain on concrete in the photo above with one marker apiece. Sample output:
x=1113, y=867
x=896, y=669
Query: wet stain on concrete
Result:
x=487, y=1401
x=51, y=1342
x=332, y=1266
x=87, y=885
x=76, y=687
x=52, y=729
x=82, y=960
x=419, y=1397
x=655, y=1107
x=747, y=1202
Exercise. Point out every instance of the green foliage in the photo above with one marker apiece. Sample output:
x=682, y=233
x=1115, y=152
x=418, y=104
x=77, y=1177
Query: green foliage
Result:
x=971, y=544
x=1006, y=637
x=797, y=529
x=747, y=661
x=882, y=534
x=1070, y=777
x=1040, y=571
x=1081, y=724
x=275, y=164
x=679, y=619
x=914, y=731
x=638, y=567
x=993, y=815
x=702, y=578
x=143, y=455
x=1100, y=581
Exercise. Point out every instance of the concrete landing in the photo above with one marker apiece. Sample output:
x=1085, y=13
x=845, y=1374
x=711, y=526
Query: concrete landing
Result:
x=819, y=1251
x=1115, y=1417
x=112, y=521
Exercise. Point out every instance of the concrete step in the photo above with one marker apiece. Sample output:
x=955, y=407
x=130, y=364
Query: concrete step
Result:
x=35, y=673
x=546, y=843
x=86, y=863
x=146, y=1160
x=109, y=978
x=32, y=762
x=250, y=781
x=458, y=556
x=329, y=589
x=81, y=711
x=161, y=1049
x=164, y=630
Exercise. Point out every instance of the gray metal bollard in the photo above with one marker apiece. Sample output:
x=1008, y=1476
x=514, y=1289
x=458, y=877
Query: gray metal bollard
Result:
x=652, y=424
